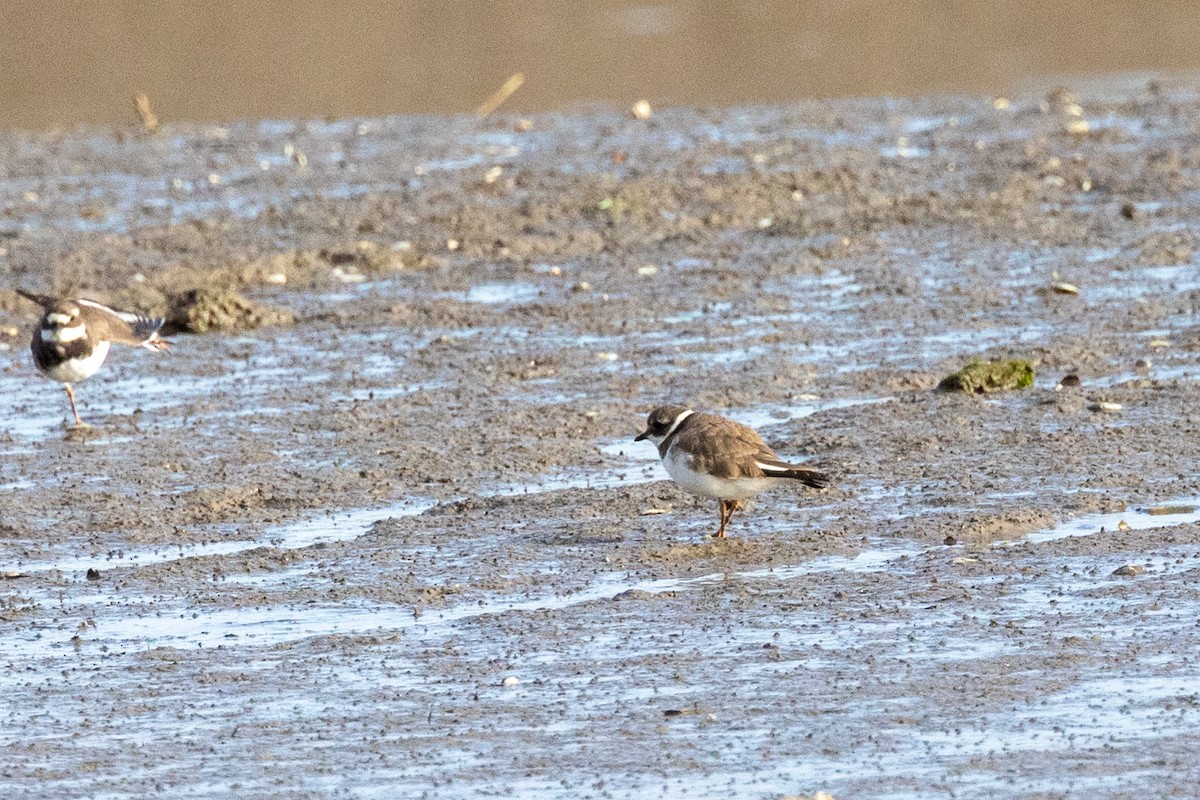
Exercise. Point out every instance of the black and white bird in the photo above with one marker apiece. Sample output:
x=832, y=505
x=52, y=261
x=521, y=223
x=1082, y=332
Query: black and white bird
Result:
x=73, y=337
x=714, y=456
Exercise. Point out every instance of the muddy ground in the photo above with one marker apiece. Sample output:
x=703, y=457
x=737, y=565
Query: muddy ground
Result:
x=405, y=545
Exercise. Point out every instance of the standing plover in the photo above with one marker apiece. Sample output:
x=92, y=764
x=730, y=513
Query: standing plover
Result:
x=72, y=340
x=714, y=456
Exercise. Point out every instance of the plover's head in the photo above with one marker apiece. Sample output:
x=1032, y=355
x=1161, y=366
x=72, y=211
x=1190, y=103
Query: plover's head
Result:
x=62, y=322
x=662, y=421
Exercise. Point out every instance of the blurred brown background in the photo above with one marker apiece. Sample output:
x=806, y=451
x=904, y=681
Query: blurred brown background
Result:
x=63, y=63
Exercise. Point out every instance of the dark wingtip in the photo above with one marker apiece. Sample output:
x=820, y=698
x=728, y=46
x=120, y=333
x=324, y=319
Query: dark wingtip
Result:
x=147, y=328
x=810, y=477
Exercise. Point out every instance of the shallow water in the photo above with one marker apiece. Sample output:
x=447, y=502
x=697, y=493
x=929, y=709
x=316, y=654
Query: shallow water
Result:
x=354, y=530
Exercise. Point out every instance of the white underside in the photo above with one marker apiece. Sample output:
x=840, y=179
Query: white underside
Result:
x=78, y=369
x=706, y=485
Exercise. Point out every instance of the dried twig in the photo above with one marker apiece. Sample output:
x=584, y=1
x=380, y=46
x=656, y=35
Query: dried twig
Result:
x=500, y=95
x=149, y=119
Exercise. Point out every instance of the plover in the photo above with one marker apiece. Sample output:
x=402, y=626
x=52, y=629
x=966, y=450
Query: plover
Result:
x=72, y=340
x=714, y=456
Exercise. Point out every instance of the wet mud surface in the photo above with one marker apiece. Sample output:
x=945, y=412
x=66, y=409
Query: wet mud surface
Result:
x=400, y=541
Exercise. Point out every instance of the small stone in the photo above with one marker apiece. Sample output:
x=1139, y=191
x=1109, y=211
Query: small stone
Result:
x=950, y=541
x=964, y=560
x=607, y=356
x=654, y=512
x=453, y=244
x=1077, y=126
x=343, y=276
x=642, y=110
x=581, y=287
x=1069, y=381
x=1128, y=571
x=93, y=574
x=511, y=680
x=647, y=269
x=1065, y=288
x=1106, y=407
x=1158, y=344
x=1124, y=526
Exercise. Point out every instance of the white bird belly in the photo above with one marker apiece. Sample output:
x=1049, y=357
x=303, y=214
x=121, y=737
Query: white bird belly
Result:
x=702, y=483
x=77, y=369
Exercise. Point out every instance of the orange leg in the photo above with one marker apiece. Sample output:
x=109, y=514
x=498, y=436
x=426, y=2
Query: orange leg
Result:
x=71, y=397
x=727, y=509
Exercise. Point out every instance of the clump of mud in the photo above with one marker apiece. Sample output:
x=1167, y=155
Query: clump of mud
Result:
x=215, y=309
x=983, y=377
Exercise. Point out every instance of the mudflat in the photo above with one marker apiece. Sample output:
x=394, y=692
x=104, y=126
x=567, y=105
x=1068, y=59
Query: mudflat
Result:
x=381, y=529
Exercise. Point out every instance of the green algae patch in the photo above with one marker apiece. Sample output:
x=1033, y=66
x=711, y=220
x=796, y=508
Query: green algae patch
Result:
x=985, y=377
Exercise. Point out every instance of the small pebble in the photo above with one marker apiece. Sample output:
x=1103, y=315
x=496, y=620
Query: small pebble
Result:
x=654, y=512
x=511, y=680
x=1106, y=407
x=642, y=110
x=93, y=574
x=347, y=277
x=1065, y=288
x=1124, y=526
x=1069, y=381
x=1128, y=571
x=949, y=541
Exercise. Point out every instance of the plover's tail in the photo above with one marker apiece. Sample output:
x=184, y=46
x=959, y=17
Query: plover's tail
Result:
x=809, y=476
x=41, y=299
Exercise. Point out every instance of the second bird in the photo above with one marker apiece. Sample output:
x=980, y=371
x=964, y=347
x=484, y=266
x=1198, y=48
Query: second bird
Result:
x=73, y=337
x=714, y=456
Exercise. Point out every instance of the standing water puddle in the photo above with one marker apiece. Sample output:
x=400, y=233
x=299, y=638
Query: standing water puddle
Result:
x=336, y=527
x=1178, y=512
x=148, y=627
